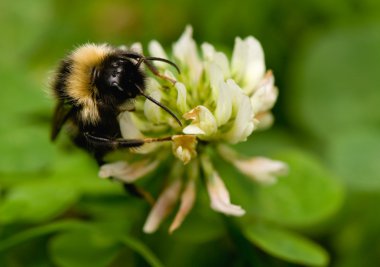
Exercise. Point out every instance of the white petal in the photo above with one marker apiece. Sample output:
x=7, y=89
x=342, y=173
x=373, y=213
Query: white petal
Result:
x=127, y=172
x=144, y=125
x=187, y=203
x=208, y=51
x=265, y=96
x=111, y=169
x=155, y=49
x=203, y=119
x=239, y=57
x=227, y=152
x=265, y=120
x=217, y=58
x=123, y=47
x=216, y=78
x=152, y=111
x=169, y=74
x=128, y=128
x=255, y=64
x=223, y=108
x=262, y=169
x=243, y=124
x=162, y=207
x=215, y=74
x=248, y=65
x=184, y=48
x=220, y=198
x=137, y=47
x=193, y=129
x=185, y=51
x=181, y=97
x=152, y=85
x=221, y=61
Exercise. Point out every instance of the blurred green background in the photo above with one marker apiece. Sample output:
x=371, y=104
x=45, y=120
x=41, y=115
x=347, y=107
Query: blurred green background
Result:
x=325, y=55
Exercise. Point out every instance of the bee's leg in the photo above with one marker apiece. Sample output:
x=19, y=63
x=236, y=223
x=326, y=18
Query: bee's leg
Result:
x=105, y=142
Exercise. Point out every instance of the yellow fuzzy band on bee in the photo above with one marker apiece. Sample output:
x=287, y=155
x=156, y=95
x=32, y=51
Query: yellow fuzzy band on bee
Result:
x=79, y=85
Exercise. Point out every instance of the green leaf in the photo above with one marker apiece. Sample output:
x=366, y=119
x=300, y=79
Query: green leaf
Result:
x=142, y=249
x=26, y=149
x=286, y=245
x=25, y=27
x=86, y=247
x=202, y=225
x=355, y=158
x=115, y=215
x=336, y=82
x=306, y=196
x=36, y=201
x=80, y=170
x=266, y=142
x=35, y=232
x=356, y=237
x=24, y=137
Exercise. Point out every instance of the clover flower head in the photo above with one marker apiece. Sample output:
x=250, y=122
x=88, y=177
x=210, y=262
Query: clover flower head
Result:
x=221, y=101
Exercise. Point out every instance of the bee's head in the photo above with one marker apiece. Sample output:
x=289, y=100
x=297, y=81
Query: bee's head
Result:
x=118, y=78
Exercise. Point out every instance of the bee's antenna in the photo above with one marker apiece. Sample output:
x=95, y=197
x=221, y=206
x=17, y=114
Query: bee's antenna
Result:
x=163, y=60
x=140, y=59
x=159, y=104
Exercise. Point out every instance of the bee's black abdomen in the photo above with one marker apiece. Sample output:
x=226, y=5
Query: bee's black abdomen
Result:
x=107, y=127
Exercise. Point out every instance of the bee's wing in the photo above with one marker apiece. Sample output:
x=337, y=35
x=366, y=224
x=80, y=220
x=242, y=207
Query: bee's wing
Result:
x=61, y=113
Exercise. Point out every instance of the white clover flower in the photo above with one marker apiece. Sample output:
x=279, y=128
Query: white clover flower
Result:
x=220, y=101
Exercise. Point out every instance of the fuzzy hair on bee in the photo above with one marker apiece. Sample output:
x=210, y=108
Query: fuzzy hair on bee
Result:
x=92, y=86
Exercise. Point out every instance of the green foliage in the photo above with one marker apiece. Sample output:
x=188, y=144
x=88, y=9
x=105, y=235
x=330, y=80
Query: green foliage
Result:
x=82, y=248
x=304, y=198
x=286, y=245
x=308, y=195
x=55, y=211
x=201, y=226
x=36, y=201
x=355, y=157
x=348, y=98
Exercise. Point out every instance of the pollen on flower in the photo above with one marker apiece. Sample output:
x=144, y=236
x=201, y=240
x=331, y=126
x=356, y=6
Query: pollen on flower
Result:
x=184, y=147
x=203, y=122
x=220, y=100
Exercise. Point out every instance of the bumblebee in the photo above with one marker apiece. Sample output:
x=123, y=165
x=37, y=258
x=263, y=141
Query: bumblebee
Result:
x=92, y=86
